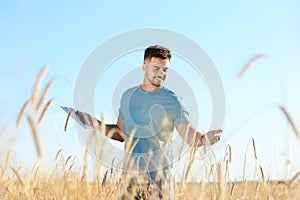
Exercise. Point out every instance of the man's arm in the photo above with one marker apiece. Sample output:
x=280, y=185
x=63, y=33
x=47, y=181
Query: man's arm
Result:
x=195, y=138
x=113, y=131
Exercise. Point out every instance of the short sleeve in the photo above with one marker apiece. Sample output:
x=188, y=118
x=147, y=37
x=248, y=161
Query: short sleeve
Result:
x=182, y=114
x=121, y=116
x=180, y=118
x=121, y=109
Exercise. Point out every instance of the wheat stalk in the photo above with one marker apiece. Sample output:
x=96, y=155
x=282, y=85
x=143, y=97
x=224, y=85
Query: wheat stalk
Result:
x=230, y=153
x=58, y=153
x=7, y=164
x=112, y=166
x=129, y=142
x=44, y=94
x=254, y=149
x=36, y=173
x=222, y=184
x=37, y=83
x=67, y=120
x=67, y=160
x=262, y=173
x=85, y=158
x=192, y=157
x=36, y=137
x=245, y=159
x=133, y=145
x=180, y=150
x=22, y=112
x=44, y=111
x=291, y=122
x=231, y=190
x=104, y=178
x=71, y=166
x=18, y=176
x=248, y=65
x=293, y=179
x=226, y=169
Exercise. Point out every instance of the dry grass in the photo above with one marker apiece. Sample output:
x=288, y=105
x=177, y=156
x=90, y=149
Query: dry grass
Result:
x=67, y=182
x=36, y=136
x=249, y=64
x=291, y=122
x=38, y=82
x=67, y=120
x=71, y=186
x=44, y=111
x=44, y=94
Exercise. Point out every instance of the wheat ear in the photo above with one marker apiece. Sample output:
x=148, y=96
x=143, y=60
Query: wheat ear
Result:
x=44, y=94
x=291, y=121
x=36, y=136
x=38, y=81
x=248, y=65
x=44, y=111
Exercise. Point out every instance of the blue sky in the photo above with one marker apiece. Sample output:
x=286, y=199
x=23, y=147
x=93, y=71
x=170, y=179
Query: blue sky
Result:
x=63, y=34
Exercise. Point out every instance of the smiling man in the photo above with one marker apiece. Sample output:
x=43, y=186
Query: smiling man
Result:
x=151, y=112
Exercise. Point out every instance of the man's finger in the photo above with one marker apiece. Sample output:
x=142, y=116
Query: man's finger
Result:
x=217, y=131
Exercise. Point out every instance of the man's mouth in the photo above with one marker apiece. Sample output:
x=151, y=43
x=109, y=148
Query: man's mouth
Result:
x=158, y=78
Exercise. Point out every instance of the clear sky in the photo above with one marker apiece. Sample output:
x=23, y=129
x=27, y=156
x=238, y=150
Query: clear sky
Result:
x=63, y=34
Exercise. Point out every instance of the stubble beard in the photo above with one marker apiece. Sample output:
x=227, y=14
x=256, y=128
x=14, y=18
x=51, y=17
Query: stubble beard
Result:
x=159, y=82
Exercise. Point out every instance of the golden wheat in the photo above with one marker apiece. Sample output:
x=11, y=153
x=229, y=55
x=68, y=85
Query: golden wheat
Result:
x=36, y=136
x=262, y=173
x=104, y=178
x=129, y=142
x=245, y=157
x=43, y=96
x=73, y=185
x=250, y=63
x=44, y=111
x=18, y=176
x=22, y=112
x=254, y=149
x=67, y=120
x=291, y=122
x=294, y=178
x=230, y=153
x=37, y=83
x=86, y=153
x=7, y=164
x=67, y=160
x=58, y=153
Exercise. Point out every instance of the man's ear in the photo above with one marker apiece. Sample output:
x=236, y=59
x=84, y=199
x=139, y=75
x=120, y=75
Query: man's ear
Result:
x=144, y=66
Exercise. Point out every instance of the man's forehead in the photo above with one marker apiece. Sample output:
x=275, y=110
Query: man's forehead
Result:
x=158, y=62
x=160, y=65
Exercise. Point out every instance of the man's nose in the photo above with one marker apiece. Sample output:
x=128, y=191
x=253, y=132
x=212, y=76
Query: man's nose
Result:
x=161, y=72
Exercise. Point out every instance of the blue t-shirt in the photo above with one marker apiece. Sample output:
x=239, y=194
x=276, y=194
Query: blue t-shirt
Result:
x=154, y=115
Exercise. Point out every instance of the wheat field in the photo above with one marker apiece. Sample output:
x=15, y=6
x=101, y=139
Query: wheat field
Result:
x=65, y=181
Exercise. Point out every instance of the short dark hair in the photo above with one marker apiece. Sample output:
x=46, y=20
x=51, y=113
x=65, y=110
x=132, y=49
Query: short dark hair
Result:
x=157, y=51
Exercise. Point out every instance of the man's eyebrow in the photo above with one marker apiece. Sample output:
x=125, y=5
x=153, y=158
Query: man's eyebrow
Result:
x=161, y=66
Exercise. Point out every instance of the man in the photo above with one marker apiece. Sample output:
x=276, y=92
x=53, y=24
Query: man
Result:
x=150, y=112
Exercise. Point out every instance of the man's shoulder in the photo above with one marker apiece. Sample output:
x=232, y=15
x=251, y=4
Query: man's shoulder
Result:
x=169, y=92
x=130, y=91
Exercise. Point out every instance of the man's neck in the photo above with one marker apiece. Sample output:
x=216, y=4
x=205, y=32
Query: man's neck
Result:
x=149, y=87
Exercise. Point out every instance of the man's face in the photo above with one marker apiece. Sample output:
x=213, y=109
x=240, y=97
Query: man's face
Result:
x=156, y=71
